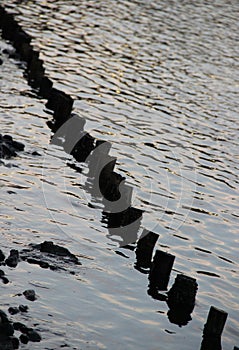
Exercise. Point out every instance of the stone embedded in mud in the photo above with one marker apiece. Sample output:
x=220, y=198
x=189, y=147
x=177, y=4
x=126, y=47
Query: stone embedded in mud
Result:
x=6, y=331
x=33, y=336
x=2, y=256
x=3, y=277
x=13, y=258
x=13, y=310
x=23, y=308
x=24, y=338
x=51, y=248
x=19, y=326
x=9, y=147
x=30, y=294
x=15, y=342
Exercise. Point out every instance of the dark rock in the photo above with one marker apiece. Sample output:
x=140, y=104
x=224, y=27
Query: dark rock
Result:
x=35, y=153
x=51, y=248
x=18, y=326
x=6, y=329
x=34, y=336
x=6, y=344
x=9, y=147
x=30, y=294
x=2, y=273
x=3, y=317
x=15, y=342
x=24, y=338
x=13, y=258
x=44, y=265
x=33, y=261
x=23, y=308
x=1, y=61
x=49, y=255
x=5, y=280
x=13, y=310
x=2, y=256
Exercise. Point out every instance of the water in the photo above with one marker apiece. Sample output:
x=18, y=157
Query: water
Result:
x=159, y=81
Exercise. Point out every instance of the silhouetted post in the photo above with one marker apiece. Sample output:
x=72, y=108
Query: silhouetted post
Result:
x=213, y=329
x=61, y=104
x=181, y=299
x=160, y=270
x=144, y=250
x=215, y=322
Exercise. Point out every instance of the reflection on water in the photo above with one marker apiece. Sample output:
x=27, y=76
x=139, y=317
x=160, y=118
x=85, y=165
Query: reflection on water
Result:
x=158, y=82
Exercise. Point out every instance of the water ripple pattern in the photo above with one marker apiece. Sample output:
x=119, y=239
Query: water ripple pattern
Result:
x=159, y=80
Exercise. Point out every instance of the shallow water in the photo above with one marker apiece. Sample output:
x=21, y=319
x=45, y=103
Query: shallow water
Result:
x=159, y=81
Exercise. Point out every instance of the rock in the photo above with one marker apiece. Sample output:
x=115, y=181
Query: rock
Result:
x=24, y=338
x=34, y=336
x=6, y=344
x=2, y=256
x=15, y=342
x=6, y=328
x=13, y=310
x=5, y=280
x=35, y=153
x=3, y=317
x=30, y=294
x=9, y=147
x=44, y=265
x=13, y=258
x=51, y=248
x=18, y=326
x=23, y=308
x=49, y=255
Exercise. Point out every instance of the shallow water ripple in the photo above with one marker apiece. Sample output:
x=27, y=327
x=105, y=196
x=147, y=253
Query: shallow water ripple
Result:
x=159, y=80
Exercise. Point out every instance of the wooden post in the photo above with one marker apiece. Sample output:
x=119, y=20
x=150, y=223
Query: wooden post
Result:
x=182, y=294
x=144, y=250
x=160, y=270
x=61, y=104
x=215, y=322
x=181, y=299
x=213, y=329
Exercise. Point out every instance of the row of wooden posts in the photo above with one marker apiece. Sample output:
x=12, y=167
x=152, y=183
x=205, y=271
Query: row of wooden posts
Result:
x=181, y=297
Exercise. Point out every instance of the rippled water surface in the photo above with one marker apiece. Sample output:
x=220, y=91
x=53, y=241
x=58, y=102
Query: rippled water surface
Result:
x=159, y=80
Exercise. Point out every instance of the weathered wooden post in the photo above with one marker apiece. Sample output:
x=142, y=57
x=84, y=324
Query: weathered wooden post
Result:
x=181, y=299
x=61, y=104
x=144, y=250
x=160, y=270
x=215, y=322
x=213, y=329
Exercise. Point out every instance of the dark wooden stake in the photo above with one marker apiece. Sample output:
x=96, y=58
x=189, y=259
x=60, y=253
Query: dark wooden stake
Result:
x=144, y=250
x=160, y=270
x=215, y=322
